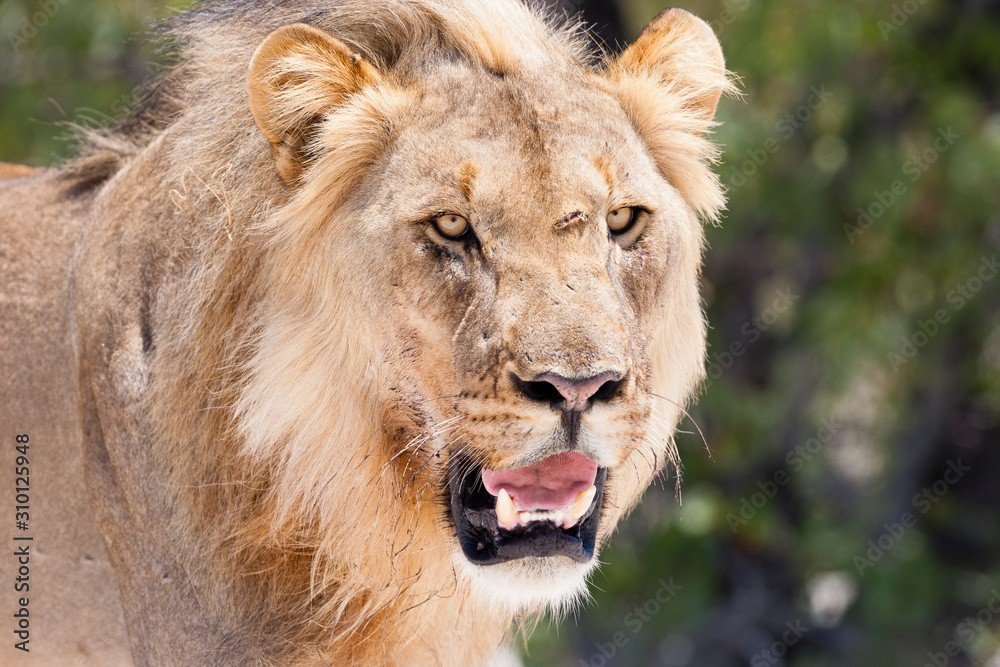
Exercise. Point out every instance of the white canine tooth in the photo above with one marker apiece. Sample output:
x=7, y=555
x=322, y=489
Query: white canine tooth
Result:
x=506, y=516
x=582, y=503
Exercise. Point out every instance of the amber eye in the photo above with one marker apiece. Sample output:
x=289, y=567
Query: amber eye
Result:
x=620, y=219
x=451, y=226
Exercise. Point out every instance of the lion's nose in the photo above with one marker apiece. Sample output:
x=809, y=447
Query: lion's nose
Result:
x=570, y=394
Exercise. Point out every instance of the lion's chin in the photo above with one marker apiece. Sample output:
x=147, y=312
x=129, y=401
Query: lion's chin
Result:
x=555, y=583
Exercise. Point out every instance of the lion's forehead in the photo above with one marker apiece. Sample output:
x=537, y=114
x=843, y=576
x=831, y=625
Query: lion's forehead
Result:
x=556, y=130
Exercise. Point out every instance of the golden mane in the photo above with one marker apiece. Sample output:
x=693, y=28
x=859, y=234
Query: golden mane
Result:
x=211, y=44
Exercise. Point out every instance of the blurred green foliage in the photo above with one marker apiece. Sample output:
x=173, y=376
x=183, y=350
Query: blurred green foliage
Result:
x=855, y=342
x=69, y=61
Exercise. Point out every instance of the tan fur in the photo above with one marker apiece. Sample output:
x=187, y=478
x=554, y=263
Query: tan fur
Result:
x=8, y=171
x=277, y=357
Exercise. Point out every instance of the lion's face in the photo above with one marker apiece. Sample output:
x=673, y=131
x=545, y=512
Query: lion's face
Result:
x=532, y=263
x=529, y=272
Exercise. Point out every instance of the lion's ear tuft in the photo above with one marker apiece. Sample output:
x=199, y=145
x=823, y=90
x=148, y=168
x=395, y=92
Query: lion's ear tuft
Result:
x=296, y=76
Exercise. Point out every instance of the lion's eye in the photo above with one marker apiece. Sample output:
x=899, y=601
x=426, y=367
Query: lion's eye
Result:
x=451, y=226
x=620, y=219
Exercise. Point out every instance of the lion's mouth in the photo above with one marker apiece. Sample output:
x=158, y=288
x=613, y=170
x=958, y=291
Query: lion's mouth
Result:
x=550, y=508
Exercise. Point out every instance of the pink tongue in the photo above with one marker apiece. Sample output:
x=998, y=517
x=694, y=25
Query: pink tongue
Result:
x=550, y=484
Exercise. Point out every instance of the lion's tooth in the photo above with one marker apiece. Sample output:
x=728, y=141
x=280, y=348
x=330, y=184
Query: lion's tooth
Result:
x=582, y=503
x=506, y=516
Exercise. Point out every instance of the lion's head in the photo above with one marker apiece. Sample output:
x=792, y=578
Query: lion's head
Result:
x=495, y=252
x=426, y=310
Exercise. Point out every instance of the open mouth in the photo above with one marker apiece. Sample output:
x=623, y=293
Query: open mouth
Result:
x=550, y=508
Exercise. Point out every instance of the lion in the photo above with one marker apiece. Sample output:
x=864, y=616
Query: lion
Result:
x=353, y=343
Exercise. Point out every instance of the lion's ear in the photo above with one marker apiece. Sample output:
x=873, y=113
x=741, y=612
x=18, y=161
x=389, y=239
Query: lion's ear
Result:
x=297, y=75
x=669, y=83
x=682, y=52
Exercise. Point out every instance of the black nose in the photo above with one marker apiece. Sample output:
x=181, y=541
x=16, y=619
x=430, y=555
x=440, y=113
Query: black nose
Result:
x=569, y=394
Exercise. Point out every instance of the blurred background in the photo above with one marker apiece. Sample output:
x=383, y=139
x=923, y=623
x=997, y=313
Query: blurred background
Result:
x=849, y=513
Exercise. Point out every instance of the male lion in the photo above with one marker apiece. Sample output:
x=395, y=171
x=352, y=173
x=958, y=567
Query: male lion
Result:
x=365, y=329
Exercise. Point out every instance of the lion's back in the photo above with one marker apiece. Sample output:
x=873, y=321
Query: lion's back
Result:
x=72, y=592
